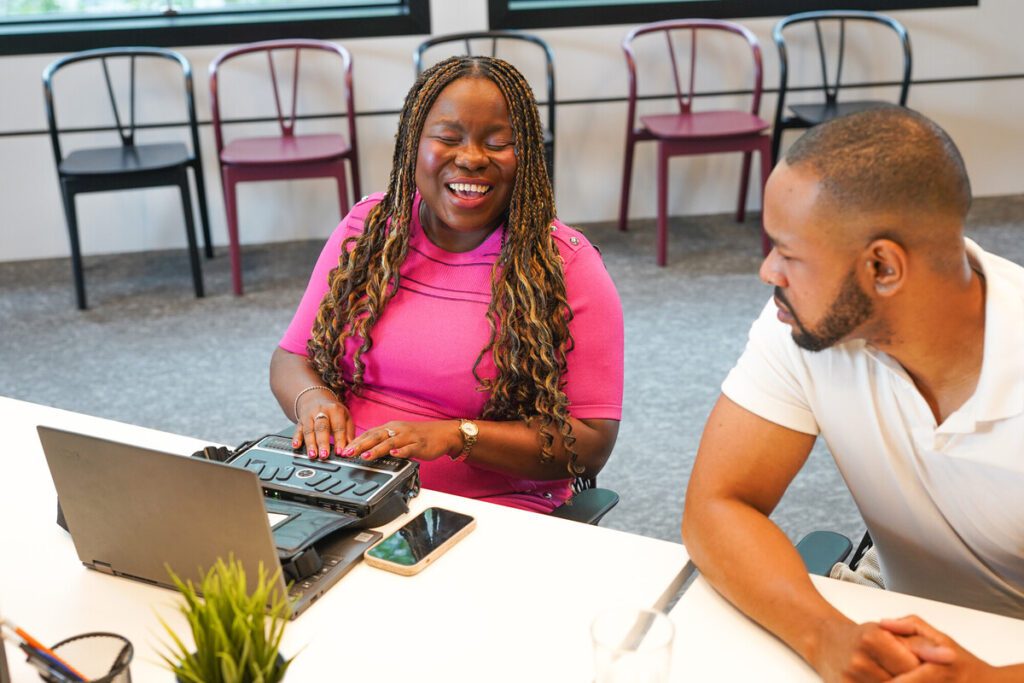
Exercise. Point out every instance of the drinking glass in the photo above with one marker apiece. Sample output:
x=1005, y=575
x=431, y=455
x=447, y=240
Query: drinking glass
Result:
x=632, y=645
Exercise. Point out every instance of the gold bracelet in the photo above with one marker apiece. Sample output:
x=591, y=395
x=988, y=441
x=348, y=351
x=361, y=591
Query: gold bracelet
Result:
x=295, y=405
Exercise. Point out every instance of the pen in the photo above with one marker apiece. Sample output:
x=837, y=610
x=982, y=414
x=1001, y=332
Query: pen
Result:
x=48, y=667
x=29, y=643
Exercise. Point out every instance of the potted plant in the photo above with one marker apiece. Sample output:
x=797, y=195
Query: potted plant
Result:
x=236, y=633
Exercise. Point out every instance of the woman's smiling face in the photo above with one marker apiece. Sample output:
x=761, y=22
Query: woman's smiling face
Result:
x=466, y=164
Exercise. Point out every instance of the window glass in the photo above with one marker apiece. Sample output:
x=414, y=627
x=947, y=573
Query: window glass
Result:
x=38, y=26
x=506, y=14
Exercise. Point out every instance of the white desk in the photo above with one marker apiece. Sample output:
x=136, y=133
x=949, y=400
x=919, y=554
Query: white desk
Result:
x=512, y=602
x=715, y=642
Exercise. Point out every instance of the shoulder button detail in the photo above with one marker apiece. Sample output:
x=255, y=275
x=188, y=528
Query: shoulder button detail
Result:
x=574, y=241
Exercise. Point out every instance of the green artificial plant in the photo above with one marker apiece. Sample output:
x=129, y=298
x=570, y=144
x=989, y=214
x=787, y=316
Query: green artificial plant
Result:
x=236, y=634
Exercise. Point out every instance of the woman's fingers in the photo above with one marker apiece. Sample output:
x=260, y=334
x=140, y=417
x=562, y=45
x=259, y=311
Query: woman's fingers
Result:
x=373, y=443
x=322, y=430
x=404, y=452
x=319, y=423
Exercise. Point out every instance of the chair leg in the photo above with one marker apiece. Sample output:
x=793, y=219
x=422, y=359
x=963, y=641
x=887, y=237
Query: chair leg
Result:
x=776, y=141
x=76, y=253
x=342, y=189
x=741, y=205
x=549, y=159
x=662, y=204
x=190, y=234
x=766, y=170
x=231, y=209
x=204, y=214
x=353, y=163
x=627, y=177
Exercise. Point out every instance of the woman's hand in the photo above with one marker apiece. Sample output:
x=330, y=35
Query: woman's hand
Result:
x=422, y=440
x=319, y=417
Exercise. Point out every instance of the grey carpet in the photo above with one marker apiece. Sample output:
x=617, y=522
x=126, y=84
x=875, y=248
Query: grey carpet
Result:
x=147, y=352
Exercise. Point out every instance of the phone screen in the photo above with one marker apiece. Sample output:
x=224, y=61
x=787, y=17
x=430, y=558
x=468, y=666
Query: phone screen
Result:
x=420, y=536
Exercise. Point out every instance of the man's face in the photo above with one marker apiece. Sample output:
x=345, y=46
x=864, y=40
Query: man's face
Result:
x=816, y=286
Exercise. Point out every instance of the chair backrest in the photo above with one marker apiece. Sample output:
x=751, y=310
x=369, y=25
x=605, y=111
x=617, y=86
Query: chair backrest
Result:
x=831, y=84
x=488, y=43
x=285, y=119
x=690, y=28
x=115, y=86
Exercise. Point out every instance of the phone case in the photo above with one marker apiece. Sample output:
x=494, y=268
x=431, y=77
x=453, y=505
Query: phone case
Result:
x=410, y=570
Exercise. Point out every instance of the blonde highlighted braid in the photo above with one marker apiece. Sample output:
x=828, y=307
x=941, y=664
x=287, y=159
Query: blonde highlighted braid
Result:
x=529, y=313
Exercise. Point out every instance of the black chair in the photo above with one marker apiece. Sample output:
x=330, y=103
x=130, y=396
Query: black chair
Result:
x=495, y=38
x=128, y=165
x=588, y=503
x=807, y=115
x=820, y=550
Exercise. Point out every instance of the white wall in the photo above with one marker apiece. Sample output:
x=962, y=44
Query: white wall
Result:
x=947, y=43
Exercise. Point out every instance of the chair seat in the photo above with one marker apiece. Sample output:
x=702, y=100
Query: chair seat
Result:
x=705, y=124
x=296, y=149
x=814, y=114
x=125, y=159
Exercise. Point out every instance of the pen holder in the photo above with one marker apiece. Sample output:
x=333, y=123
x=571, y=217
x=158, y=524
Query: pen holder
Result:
x=101, y=657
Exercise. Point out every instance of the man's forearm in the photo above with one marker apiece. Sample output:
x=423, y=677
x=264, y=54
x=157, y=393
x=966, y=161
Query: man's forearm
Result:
x=748, y=559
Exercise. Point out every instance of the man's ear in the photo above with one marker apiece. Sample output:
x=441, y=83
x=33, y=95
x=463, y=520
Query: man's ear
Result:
x=886, y=265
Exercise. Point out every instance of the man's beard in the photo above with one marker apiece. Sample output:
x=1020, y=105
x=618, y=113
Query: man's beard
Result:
x=848, y=310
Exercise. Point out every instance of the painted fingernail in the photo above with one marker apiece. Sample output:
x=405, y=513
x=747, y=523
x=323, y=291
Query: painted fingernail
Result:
x=365, y=456
x=394, y=451
x=349, y=450
x=323, y=453
x=312, y=454
x=337, y=450
x=295, y=443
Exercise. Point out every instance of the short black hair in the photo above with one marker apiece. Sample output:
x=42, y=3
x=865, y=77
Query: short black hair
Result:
x=886, y=159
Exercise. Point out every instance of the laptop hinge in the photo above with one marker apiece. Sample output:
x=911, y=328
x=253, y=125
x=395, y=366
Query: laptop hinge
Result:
x=102, y=567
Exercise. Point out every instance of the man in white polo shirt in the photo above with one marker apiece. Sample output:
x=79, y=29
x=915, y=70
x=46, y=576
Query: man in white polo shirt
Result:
x=902, y=345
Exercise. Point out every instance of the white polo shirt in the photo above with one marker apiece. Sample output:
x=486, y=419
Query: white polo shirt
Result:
x=944, y=503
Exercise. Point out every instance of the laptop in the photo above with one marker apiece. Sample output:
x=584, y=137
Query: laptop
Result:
x=132, y=510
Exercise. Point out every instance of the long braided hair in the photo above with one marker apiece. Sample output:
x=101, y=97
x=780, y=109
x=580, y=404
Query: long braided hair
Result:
x=529, y=313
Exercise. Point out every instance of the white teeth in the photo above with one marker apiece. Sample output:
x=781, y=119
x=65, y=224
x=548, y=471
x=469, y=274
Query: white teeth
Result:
x=469, y=187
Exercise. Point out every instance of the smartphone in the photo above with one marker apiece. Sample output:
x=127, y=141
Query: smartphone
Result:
x=419, y=541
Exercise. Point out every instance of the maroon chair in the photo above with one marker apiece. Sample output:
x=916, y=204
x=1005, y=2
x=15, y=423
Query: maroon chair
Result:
x=287, y=156
x=689, y=132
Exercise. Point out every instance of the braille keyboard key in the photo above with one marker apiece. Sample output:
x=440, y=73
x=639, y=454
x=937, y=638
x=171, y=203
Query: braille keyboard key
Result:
x=284, y=472
x=342, y=487
x=254, y=465
x=363, y=489
x=278, y=443
x=317, y=465
x=268, y=473
x=323, y=486
x=387, y=463
x=319, y=479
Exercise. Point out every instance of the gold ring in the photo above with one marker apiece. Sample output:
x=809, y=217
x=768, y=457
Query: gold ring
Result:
x=321, y=416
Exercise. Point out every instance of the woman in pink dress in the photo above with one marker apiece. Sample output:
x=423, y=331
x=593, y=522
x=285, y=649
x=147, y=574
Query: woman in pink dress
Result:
x=453, y=319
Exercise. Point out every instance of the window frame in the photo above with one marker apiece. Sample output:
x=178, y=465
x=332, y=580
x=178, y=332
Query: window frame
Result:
x=501, y=16
x=40, y=35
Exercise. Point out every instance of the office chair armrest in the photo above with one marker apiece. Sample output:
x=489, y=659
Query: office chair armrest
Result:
x=822, y=549
x=587, y=506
